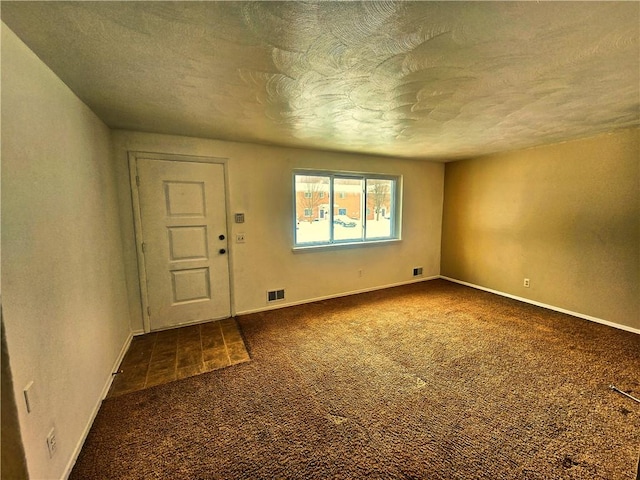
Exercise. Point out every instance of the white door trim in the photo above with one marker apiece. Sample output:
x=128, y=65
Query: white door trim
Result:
x=137, y=219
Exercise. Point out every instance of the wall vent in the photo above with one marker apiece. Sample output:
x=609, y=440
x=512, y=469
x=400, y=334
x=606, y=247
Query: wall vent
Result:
x=417, y=271
x=275, y=295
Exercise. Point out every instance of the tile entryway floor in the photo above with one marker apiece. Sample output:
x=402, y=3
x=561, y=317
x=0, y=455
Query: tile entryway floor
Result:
x=169, y=355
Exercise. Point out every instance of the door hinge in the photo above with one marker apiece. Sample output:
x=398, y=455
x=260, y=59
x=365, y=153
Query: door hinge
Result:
x=149, y=311
x=137, y=181
x=144, y=247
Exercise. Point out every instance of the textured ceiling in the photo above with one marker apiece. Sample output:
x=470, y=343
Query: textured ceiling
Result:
x=434, y=80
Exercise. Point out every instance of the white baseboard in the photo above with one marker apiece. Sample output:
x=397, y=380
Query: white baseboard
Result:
x=127, y=342
x=337, y=295
x=96, y=408
x=544, y=305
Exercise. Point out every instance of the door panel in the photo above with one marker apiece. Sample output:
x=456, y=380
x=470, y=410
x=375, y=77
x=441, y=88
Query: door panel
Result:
x=188, y=243
x=183, y=222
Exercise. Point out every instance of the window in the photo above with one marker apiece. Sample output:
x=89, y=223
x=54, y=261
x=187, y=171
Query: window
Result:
x=336, y=208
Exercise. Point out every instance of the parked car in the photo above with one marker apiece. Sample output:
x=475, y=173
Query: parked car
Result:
x=344, y=221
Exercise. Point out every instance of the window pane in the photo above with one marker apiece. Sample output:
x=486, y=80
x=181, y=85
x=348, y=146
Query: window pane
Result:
x=333, y=208
x=380, y=206
x=312, y=209
x=347, y=209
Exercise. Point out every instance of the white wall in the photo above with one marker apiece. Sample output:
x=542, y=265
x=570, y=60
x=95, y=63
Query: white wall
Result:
x=64, y=296
x=260, y=186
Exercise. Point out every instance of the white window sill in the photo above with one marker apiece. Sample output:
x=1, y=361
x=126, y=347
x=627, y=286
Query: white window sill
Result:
x=334, y=246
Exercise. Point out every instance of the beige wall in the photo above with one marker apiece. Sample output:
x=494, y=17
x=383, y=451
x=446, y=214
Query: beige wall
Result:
x=260, y=186
x=567, y=216
x=64, y=301
x=14, y=465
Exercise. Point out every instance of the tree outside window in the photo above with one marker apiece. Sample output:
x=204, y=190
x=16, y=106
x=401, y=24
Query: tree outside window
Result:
x=310, y=192
x=378, y=196
x=334, y=208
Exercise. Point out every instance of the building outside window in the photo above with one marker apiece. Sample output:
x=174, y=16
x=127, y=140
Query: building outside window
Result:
x=333, y=208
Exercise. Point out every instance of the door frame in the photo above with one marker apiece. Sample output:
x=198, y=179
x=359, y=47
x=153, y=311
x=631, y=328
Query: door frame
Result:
x=134, y=156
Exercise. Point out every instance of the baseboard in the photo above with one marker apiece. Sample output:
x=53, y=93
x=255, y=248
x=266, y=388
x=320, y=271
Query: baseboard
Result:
x=544, y=305
x=96, y=408
x=337, y=295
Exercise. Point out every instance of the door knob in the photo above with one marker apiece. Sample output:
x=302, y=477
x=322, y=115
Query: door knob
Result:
x=222, y=251
x=221, y=237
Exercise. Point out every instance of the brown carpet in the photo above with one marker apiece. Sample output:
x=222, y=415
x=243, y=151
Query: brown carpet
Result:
x=427, y=381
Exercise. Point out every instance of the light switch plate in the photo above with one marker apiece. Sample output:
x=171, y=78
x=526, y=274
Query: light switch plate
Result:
x=29, y=396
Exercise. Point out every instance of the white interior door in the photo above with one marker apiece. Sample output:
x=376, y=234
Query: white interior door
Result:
x=184, y=230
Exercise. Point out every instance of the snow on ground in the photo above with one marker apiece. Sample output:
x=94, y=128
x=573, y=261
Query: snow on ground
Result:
x=318, y=231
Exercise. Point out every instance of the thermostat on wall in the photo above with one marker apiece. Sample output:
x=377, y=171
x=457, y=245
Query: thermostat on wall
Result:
x=239, y=217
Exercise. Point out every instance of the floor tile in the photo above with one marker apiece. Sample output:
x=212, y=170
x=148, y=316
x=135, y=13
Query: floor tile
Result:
x=161, y=367
x=134, y=372
x=237, y=353
x=122, y=385
x=189, y=357
x=190, y=370
x=161, y=357
x=216, y=363
x=166, y=336
x=160, y=379
x=209, y=354
x=213, y=340
x=136, y=357
x=232, y=336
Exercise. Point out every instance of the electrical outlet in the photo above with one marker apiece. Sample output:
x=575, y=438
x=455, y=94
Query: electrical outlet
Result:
x=52, y=443
x=526, y=283
x=240, y=238
x=417, y=271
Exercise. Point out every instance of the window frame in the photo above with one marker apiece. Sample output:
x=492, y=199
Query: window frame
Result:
x=395, y=210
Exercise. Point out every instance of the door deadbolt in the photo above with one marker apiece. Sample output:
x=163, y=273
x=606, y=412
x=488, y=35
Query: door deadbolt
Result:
x=222, y=251
x=221, y=237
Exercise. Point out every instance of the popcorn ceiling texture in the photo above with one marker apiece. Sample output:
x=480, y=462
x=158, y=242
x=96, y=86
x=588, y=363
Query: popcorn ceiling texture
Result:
x=438, y=80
